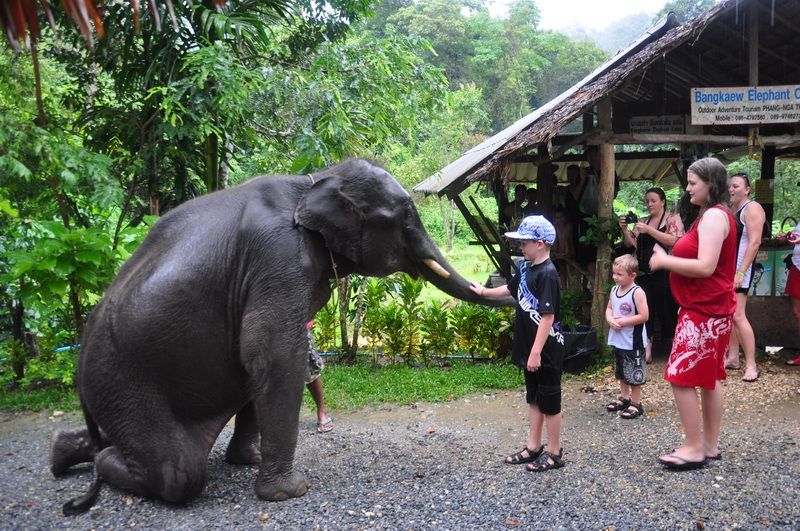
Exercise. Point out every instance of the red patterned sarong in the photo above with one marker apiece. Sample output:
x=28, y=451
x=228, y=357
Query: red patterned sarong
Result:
x=698, y=350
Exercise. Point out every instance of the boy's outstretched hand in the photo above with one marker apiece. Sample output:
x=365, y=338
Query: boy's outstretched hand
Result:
x=477, y=288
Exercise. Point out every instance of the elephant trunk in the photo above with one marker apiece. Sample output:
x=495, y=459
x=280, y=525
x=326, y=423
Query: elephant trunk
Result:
x=436, y=270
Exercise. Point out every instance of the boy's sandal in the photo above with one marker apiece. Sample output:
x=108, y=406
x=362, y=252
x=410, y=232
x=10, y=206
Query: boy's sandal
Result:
x=526, y=455
x=618, y=404
x=632, y=411
x=546, y=461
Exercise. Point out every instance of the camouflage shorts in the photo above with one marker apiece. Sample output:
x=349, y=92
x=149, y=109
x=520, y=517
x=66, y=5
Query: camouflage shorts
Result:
x=315, y=363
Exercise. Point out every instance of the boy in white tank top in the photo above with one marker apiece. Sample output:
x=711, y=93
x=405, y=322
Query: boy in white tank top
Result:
x=626, y=314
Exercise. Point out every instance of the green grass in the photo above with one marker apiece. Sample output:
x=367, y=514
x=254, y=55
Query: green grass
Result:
x=49, y=398
x=346, y=387
x=353, y=387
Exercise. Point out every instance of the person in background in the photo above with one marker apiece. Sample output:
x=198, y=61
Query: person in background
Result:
x=538, y=342
x=513, y=211
x=313, y=380
x=563, y=249
x=750, y=218
x=585, y=252
x=531, y=207
x=626, y=314
x=658, y=228
x=793, y=281
x=702, y=266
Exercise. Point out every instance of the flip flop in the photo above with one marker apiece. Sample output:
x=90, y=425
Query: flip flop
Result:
x=683, y=464
x=325, y=426
x=717, y=457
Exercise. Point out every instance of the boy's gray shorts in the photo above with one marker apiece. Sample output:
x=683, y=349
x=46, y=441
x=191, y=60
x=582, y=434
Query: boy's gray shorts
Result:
x=630, y=366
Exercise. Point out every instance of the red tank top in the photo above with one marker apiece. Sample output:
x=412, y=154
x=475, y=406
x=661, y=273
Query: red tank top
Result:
x=714, y=295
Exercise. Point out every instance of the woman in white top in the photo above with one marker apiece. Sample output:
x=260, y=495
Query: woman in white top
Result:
x=750, y=218
x=662, y=228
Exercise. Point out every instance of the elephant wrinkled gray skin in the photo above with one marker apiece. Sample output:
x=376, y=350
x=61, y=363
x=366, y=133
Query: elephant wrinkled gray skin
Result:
x=207, y=320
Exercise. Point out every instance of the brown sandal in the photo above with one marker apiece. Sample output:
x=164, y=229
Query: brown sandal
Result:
x=518, y=458
x=632, y=411
x=546, y=461
x=619, y=404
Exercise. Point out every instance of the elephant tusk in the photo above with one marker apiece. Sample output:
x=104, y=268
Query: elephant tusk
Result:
x=436, y=268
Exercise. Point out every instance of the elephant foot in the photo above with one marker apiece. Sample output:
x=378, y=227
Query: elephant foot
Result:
x=69, y=448
x=282, y=488
x=241, y=452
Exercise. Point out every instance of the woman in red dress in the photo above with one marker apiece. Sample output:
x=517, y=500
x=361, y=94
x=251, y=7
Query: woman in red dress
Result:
x=702, y=266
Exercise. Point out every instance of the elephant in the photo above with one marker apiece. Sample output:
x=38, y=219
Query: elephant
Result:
x=206, y=321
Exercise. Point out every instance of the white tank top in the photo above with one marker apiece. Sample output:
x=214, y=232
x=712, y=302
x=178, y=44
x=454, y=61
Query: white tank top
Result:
x=741, y=246
x=631, y=337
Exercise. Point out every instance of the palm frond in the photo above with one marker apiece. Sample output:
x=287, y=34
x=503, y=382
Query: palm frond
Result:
x=19, y=19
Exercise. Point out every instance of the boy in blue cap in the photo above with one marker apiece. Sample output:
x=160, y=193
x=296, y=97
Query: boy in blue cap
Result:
x=538, y=343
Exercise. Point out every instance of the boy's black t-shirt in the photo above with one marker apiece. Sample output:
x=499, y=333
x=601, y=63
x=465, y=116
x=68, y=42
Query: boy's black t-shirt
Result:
x=539, y=294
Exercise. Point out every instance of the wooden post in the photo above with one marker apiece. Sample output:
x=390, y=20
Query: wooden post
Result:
x=765, y=189
x=605, y=213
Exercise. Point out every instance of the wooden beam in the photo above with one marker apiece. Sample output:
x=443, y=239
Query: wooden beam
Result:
x=574, y=141
x=580, y=157
x=752, y=55
x=670, y=138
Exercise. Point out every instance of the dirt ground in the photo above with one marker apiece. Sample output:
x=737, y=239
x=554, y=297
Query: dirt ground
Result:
x=440, y=465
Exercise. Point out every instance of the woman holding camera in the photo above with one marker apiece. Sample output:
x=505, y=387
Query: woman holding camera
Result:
x=662, y=228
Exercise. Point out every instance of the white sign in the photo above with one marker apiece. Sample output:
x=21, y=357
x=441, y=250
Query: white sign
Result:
x=657, y=124
x=745, y=105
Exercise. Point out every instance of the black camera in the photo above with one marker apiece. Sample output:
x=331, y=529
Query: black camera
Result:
x=631, y=218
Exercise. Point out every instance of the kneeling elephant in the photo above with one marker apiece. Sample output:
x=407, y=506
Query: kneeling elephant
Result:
x=206, y=320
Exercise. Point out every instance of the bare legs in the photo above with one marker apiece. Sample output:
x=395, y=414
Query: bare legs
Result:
x=742, y=335
x=701, y=427
x=315, y=388
x=537, y=422
x=633, y=392
x=796, y=313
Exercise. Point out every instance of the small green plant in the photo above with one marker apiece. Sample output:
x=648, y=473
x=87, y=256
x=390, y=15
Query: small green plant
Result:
x=438, y=335
x=392, y=334
x=477, y=329
x=325, y=322
x=573, y=305
x=372, y=325
x=410, y=305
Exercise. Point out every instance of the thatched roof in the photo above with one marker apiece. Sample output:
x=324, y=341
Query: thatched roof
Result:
x=652, y=76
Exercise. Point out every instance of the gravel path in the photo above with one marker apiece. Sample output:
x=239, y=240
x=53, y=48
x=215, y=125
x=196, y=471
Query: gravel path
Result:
x=440, y=466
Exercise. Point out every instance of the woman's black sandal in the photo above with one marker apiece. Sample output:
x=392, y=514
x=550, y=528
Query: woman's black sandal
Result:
x=546, y=461
x=519, y=457
x=632, y=411
x=619, y=404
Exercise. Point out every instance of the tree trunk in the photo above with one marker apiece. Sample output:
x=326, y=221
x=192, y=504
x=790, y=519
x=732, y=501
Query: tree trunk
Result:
x=605, y=213
x=343, y=290
x=359, y=314
x=212, y=163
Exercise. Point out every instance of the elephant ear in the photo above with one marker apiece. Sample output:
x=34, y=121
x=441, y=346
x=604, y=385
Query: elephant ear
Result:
x=327, y=209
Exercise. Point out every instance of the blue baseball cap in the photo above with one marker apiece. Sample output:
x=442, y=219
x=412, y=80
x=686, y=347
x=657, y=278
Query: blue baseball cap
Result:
x=534, y=228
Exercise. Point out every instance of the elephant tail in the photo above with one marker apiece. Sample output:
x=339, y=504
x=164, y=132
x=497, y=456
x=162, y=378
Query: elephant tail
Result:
x=83, y=503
